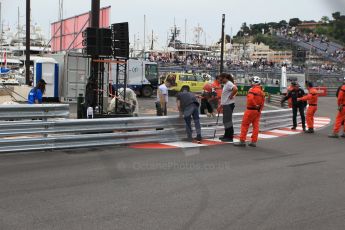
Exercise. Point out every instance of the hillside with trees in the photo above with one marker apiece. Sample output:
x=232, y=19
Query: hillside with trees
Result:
x=333, y=28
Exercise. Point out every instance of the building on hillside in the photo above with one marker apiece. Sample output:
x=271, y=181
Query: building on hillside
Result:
x=309, y=25
x=279, y=57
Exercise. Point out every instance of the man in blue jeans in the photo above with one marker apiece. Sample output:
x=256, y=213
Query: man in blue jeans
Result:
x=188, y=106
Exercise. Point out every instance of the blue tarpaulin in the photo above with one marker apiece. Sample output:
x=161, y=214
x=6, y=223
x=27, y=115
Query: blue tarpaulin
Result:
x=4, y=70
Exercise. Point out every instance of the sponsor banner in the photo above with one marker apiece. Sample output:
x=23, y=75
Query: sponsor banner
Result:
x=243, y=90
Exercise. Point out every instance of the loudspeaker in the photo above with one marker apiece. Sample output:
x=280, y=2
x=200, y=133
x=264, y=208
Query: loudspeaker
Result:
x=120, y=31
x=98, y=41
x=90, y=32
x=105, y=42
x=87, y=41
x=90, y=50
x=120, y=40
x=121, y=53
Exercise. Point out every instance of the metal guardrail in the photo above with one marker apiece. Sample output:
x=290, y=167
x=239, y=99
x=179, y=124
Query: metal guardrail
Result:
x=275, y=100
x=332, y=91
x=42, y=111
x=70, y=133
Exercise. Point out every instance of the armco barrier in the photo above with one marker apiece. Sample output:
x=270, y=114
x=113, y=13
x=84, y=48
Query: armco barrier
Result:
x=71, y=133
x=322, y=91
x=43, y=111
x=275, y=100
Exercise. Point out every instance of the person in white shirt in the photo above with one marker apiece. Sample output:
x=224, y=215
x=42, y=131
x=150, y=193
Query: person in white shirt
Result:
x=162, y=99
x=227, y=105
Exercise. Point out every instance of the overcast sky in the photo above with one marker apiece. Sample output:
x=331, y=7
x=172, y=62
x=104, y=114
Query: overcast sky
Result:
x=160, y=13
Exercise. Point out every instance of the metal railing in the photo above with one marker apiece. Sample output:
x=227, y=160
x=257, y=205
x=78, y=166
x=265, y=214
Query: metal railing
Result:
x=70, y=133
x=275, y=100
x=43, y=111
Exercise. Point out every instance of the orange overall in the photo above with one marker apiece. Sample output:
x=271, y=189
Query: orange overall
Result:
x=217, y=86
x=255, y=104
x=341, y=114
x=312, y=99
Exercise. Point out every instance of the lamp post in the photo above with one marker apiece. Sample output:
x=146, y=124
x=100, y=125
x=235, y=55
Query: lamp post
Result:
x=222, y=45
x=27, y=51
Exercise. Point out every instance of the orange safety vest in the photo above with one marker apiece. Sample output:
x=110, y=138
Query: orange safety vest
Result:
x=255, y=97
x=218, y=88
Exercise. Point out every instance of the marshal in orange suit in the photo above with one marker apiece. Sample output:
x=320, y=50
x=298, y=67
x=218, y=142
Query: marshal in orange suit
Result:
x=341, y=113
x=255, y=105
x=312, y=98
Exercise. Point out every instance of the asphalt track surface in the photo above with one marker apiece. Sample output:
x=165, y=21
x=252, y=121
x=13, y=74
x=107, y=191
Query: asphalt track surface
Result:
x=297, y=182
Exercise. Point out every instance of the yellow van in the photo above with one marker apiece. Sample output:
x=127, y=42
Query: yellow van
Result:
x=186, y=81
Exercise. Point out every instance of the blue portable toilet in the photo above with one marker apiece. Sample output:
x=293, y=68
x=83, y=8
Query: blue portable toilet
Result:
x=47, y=69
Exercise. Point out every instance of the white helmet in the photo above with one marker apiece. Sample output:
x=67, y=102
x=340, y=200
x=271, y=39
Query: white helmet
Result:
x=256, y=80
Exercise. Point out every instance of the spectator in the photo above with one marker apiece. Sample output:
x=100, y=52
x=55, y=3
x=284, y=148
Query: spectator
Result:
x=36, y=94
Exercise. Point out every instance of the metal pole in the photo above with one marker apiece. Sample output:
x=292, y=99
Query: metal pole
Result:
x=222, y=45
x=144, y=46
x=27, y=52
x=0, y=27
x=61, y=23
x=95, y=7
x=18, y=28
x=185, y=40
x=0, y=22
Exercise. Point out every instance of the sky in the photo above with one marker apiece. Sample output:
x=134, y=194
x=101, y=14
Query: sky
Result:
x=160, y=14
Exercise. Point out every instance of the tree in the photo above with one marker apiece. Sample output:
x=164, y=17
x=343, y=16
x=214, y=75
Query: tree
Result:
x=283, y=23
x=227, y=39
x=336, y=15
x=294, y=22
x=273, y=25
x=325, y=19
x=245, y=29
x=257, y=28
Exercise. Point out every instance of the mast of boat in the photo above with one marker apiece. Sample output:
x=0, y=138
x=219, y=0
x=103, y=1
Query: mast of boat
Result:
x=134, y=45
x=185, y=39
x=18, y=28
x=151, y=40
x=168, y=41
x=174, y=36
x=144, y=36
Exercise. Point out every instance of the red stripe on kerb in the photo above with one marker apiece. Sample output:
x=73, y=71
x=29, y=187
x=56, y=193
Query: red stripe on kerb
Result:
x=290, y=130
x=208, y=142
x=275, y=134
x=152, y=146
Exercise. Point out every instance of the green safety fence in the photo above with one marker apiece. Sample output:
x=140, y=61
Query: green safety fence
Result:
x=243, y=90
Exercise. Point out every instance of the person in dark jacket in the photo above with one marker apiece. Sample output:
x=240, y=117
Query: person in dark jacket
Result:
x=297, y=92
x=188, y=107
